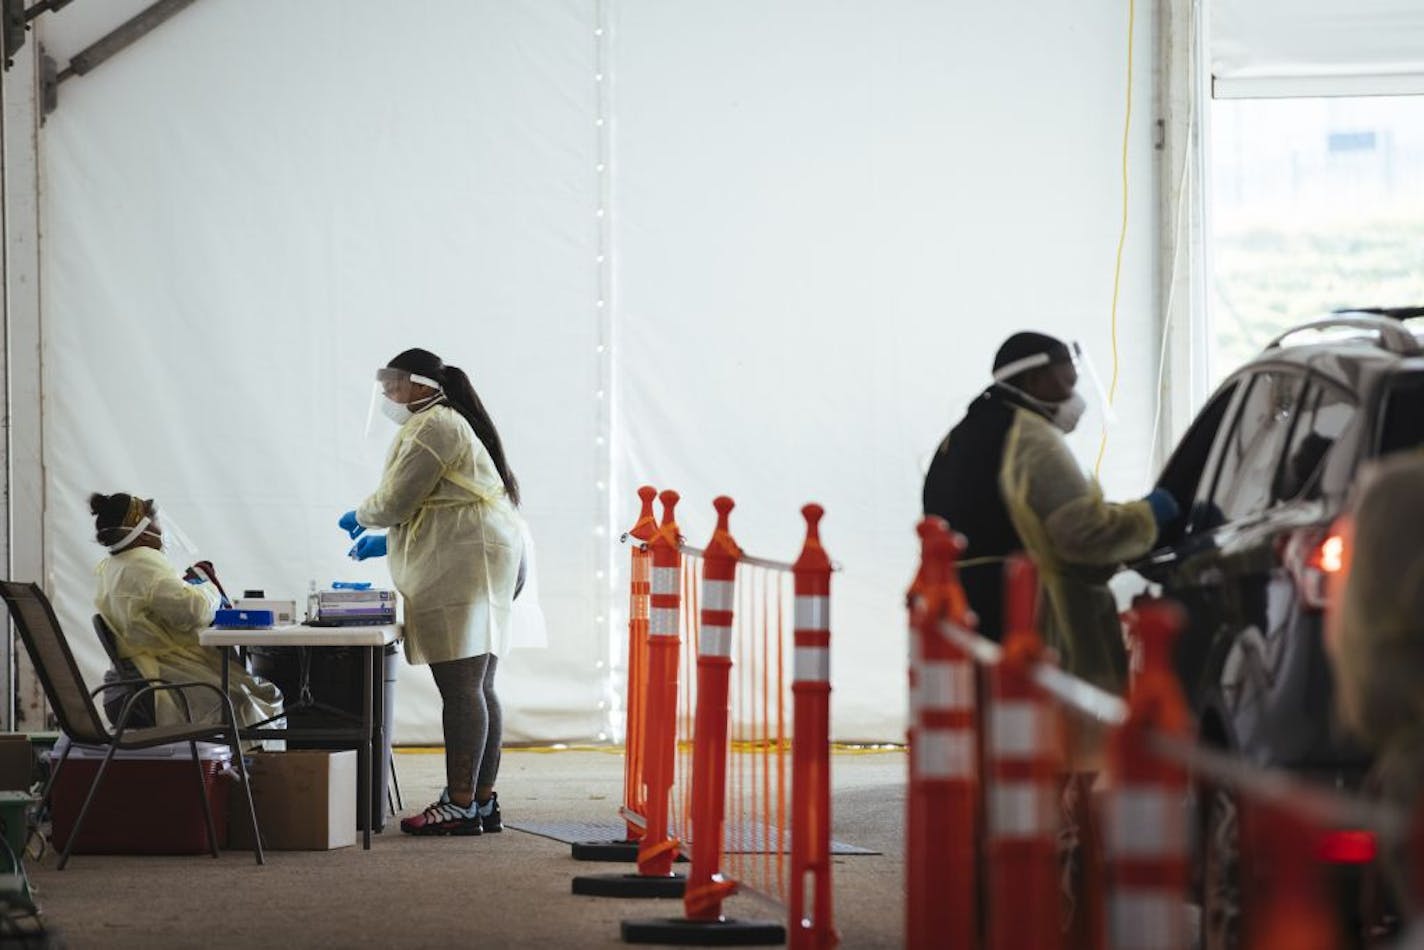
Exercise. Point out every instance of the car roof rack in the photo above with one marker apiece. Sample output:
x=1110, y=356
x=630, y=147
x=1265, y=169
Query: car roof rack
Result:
x=1396, y=313
x=1392, y=334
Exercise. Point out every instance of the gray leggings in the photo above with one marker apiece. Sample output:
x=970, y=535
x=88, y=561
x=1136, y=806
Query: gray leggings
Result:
x=472, y=721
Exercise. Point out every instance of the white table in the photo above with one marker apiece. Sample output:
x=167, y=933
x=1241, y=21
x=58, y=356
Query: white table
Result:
x=369, y=739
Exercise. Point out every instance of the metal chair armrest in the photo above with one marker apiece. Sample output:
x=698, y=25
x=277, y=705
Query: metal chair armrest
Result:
x=134, y=681
x=160, y=686
x=147, y=681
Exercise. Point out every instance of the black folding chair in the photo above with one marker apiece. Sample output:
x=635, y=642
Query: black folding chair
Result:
x=73, y=704
x=121, y=681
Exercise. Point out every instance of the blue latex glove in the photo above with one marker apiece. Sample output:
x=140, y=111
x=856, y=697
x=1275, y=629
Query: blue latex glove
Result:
x=350, y=525
x=372, y=545
x=1164, y=507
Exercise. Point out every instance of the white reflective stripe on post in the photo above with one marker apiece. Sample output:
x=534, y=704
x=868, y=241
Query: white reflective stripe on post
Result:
x=715, y=641
x=1013, y=729
x=1020, y=810
x=662, y=621
x=664, y=580
x=944, y=754
x=1146, y=821
x=946, y=685
x=813, y=613
x=811, y=665
x=718, y=595
x=1146, y=919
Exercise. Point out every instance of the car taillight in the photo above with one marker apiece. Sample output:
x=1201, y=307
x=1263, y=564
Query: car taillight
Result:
x=1348, y=847
x=1330, y=556
x=1314, y=558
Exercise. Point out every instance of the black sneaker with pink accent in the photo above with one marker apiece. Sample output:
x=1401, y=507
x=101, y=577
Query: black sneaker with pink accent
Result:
x=444, y=818
x=489, y=814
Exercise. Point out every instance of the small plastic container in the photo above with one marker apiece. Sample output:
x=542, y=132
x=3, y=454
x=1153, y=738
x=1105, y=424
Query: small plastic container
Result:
x=234, y=619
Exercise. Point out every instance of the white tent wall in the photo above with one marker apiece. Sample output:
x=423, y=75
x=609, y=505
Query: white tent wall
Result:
x=825, y=217
x=828, y=215
x=257, y=205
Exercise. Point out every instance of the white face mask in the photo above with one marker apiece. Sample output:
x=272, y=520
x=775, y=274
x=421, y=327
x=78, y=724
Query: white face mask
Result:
x=397, y=412
x=400, y=413
x=134, y=534
x=1066, y=414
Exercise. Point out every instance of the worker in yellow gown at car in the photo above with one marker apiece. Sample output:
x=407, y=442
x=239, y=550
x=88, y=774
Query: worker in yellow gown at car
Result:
x=156, y=614
x=1076, y=539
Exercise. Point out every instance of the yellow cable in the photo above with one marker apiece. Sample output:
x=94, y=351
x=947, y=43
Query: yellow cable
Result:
x=756, y=747
x=515, y=747
x=1122, y=231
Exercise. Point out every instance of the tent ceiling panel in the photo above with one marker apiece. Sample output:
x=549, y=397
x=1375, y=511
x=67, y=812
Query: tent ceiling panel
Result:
x=1279, y=48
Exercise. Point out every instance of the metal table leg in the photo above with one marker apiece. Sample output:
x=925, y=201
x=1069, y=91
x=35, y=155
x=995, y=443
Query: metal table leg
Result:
x=364, y=799
x=381, y=763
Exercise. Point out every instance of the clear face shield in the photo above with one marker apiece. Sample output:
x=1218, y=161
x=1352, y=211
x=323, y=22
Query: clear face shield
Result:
x=177, y=544
x=1097, y=392
x=396, y=396
x=174, y=542
x=1067, y=414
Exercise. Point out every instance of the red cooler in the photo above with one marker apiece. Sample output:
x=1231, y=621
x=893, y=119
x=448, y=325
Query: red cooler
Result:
x=148, y=802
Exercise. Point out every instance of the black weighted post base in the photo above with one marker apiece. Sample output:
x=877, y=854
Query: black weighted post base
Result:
x=704, y=933
x=630, y=885
x=605, y=850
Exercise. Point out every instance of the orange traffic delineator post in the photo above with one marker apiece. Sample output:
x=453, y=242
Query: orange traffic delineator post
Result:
x=657, y=849
x=703, y=923
x=941, y=851
x=1288, y=903
x=811, y=918
x=1148, y=854
x=639, y=589
x=915, y=880
x=1023, y=765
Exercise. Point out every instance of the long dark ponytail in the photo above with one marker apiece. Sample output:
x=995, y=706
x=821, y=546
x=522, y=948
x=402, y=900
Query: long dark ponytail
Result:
x=461, y=396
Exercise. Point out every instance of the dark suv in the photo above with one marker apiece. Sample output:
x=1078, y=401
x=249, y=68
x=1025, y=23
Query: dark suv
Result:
x=1261, y=476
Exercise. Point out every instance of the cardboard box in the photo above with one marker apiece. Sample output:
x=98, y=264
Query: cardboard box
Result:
x=305, y=800
x=17, y=762
x=148, y=802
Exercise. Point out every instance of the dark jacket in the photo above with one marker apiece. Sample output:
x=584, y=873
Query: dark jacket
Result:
x=962, y=487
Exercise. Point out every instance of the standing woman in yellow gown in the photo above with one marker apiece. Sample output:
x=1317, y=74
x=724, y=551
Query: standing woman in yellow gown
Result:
x=455, y=540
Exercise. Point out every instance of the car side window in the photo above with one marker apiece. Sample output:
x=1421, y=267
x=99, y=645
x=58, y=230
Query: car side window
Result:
x=1185, y=470
x=1403, y=426
x=1325, y=414
x=1246, y=474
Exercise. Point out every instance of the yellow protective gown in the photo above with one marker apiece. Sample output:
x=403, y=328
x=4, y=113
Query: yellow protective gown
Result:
x=454, y=541
x=156, y=616
x=1077, y=540
x=1375, y=638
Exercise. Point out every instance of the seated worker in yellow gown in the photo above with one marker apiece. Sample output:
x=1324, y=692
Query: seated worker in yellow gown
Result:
x=155, y=615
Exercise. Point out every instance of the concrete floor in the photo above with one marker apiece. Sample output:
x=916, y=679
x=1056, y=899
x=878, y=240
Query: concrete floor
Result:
x=505, y=890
